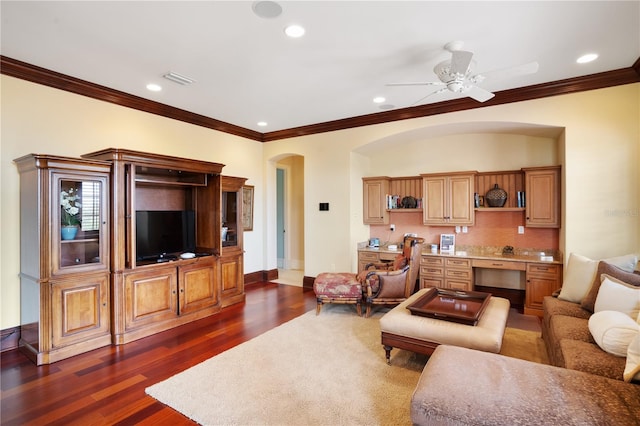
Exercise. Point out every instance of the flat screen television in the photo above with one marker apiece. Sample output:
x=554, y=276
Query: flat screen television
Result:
x=161, y=232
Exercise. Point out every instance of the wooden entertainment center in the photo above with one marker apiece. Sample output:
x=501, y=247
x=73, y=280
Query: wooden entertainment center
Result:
x=95, y=289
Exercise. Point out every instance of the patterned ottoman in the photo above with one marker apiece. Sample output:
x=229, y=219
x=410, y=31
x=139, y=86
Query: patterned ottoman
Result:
x=338, y=287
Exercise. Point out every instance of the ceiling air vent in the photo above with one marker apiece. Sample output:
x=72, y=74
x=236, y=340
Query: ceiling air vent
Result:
x=180, y=79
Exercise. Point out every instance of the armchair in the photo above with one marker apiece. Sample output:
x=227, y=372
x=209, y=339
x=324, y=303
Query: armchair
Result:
x=391, y=287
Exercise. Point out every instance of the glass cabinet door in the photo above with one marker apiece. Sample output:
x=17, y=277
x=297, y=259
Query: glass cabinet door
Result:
x=229, y=219
x=79, y=223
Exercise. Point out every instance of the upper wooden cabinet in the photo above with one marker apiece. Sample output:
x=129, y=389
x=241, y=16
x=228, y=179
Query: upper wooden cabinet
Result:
x=448, y=199
x=543, y=199
x=64, y=256
x=375, y=190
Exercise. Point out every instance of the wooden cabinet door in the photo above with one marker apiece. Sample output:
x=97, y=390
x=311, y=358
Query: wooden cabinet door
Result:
x=150, y=296
x=461, y=210
x=197, y=289
x=79, y=309
x=435, y=204
x=542, y=280
x=374, y=206
x=542, y=191
x=232, y=278
x=448, y=199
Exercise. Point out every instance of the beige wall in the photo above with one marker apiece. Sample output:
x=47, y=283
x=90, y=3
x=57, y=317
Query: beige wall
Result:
x=597, y=134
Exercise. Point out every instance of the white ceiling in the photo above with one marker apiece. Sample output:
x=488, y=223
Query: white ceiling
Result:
x=247, y=70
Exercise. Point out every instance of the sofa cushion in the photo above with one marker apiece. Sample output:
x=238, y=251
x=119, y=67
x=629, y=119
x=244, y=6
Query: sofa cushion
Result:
x=613, y=331
x=589, y=300
x=616, y=295
x=588, y=357
x=578, y=277
x=632, y=366
x=563, y=327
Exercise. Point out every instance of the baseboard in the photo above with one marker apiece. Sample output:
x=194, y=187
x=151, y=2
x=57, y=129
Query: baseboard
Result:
x=260, y=276
x=307, y=282
x=9, y=338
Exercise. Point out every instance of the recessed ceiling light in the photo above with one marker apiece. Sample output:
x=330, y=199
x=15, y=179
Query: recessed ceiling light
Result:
x=589, y=57
x=379, y=99
x=154, y=87
x=262, y=123
x=294, y=31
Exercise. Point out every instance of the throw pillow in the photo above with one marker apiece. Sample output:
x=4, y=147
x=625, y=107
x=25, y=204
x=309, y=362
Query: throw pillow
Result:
x=605, y=268
x=632, y=367
x=613, y=331
x=627, y=263
x=616, y=295
x=577, y=278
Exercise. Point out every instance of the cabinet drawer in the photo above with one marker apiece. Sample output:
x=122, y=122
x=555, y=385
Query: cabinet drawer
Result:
x=459, y=285
x=431, y=282
x=427, y=270
x=459, y=274
x=368, y=256
x=499, y=264
x=388, y=257
x=543, y=269
x=458, y=263
x=432, y=260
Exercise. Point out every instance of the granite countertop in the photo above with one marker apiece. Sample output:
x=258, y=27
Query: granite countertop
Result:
x=484, y=252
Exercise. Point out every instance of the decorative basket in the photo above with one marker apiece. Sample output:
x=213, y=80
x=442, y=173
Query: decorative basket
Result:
x=496, y=197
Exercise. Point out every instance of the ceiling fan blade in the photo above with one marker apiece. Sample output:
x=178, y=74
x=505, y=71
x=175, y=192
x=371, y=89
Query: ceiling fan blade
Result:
x=444, y=89
x=479, y=94
x=423, y=83
x=524, y=69
x=460, y=61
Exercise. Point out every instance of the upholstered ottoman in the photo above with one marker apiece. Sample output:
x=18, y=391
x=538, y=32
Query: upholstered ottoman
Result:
x=400, y=329
x=459, y=386
x=338, y=287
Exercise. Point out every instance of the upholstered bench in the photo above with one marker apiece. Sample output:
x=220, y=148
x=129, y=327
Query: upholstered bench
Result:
x=338, y=287
x=459, y=386
x=400, y=329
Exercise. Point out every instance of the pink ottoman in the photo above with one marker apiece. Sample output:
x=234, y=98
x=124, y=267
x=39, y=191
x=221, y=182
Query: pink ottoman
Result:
x=338, y=287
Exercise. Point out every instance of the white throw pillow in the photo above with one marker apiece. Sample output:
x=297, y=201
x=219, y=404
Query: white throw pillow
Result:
x=578, y=277
x=627, y=263
x=616, y=295
x=613, y=331
x=632, y=367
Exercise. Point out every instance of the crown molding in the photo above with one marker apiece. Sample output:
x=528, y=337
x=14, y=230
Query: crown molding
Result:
x=35, y=74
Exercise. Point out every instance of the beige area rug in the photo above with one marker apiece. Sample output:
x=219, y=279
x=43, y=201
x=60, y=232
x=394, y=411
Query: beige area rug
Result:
x=314, y=370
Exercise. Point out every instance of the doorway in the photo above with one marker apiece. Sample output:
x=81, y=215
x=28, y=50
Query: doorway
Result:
x=290, y=219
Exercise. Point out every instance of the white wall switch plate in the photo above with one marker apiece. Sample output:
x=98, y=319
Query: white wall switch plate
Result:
x=465, y=229
x=520, y=229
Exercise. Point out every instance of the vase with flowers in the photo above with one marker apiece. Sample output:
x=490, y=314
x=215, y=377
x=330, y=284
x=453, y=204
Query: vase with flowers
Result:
x=70, y=209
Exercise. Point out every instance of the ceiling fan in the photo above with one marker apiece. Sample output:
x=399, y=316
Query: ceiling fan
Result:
x=456, y=75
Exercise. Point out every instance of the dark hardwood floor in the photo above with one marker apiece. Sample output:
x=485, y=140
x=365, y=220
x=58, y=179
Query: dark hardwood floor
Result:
x=106, y=386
